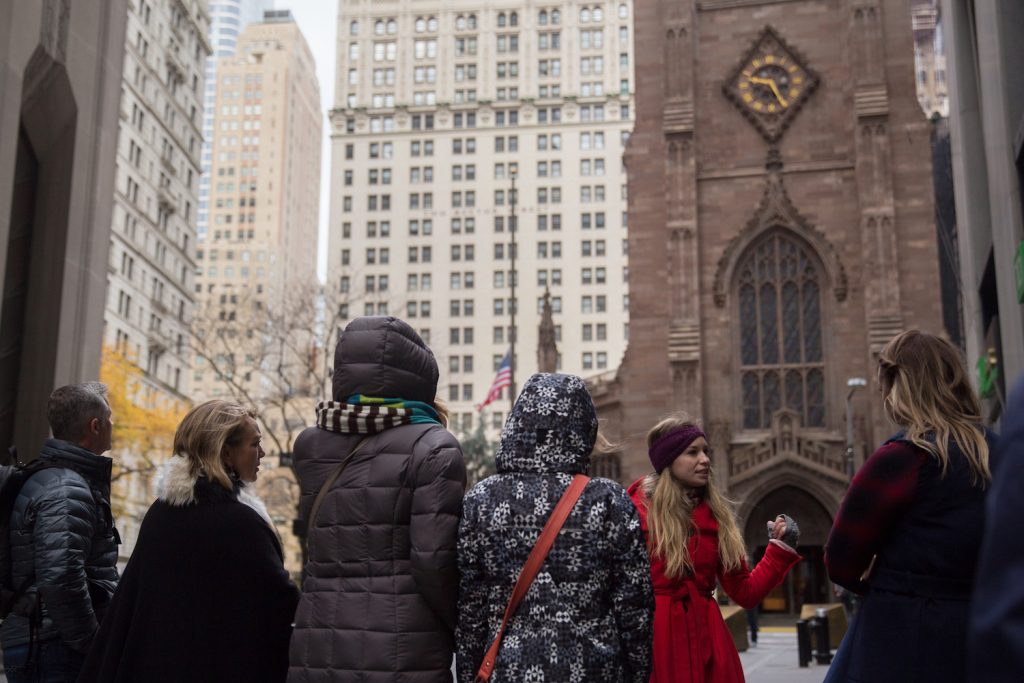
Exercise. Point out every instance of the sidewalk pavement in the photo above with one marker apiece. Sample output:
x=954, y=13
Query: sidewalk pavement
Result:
x=774, y=660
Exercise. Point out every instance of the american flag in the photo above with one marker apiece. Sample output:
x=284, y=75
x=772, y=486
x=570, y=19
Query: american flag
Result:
x=501, y=380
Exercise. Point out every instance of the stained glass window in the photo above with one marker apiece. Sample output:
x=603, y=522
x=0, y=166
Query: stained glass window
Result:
x=781, y=357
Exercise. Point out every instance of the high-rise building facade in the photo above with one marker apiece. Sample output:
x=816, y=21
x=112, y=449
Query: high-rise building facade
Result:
x=930, y=58
x=228, y=18
x=264, y=179
x=438, y=106
x=153, y=237
x=150, y=295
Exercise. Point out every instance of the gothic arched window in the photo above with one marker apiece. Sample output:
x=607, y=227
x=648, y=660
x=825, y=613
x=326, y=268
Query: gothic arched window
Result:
x=782, y=365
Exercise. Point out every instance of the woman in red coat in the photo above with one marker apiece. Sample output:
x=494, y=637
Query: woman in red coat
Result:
x=694, y=542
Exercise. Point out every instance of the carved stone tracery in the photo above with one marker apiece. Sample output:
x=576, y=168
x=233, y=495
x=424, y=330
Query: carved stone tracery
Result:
x=777, y=211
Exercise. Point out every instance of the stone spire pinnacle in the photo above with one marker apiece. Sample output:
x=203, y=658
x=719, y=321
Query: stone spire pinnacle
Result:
x=547, y=351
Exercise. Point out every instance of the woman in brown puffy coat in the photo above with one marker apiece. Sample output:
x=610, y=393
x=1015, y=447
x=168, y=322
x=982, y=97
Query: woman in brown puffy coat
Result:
x=380, y=584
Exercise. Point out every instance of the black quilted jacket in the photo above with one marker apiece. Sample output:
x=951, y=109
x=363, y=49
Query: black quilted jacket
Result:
x=588, y=614
x=64, y=542
x=380, y=585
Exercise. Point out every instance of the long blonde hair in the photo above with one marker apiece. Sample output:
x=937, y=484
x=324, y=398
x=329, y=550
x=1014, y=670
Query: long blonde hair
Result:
x=441, y=408
x=203, y=434
x=670, y=509
x=926, y=390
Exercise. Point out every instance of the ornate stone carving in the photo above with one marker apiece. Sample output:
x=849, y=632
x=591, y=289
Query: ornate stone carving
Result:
x=788, y=441
x=777, y=211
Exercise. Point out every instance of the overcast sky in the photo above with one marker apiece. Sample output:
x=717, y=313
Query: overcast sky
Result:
x=318, y=21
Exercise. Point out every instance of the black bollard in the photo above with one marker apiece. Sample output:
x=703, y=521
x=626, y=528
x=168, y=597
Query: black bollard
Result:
x=823, y=649
x=803, y=642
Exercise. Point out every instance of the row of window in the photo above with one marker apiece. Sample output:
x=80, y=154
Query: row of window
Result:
x=468, y=22
x=467, y=198
x=424, y=254
x=546, y=68
x=465, y=280
x=467, y=225
x=386, y=123
x=594, y=140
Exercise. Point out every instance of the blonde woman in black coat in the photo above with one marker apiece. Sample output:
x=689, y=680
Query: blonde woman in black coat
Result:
x=205, y=596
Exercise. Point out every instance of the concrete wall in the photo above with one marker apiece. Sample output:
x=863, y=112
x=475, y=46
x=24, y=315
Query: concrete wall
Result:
x=987, y=125
x=60, y=77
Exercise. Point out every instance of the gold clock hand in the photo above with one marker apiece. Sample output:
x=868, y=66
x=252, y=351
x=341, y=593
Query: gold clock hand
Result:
x=775, y=89
x=772, y=85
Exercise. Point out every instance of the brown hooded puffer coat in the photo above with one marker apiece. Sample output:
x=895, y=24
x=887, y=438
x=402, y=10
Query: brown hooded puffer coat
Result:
x=381, y=583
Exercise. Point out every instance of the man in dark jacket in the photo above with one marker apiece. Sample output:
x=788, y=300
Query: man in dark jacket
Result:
x=63, y=543
x=996, y=647
x=380, y=585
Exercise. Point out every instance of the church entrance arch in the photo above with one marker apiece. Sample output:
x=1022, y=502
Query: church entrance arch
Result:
x=808, y=581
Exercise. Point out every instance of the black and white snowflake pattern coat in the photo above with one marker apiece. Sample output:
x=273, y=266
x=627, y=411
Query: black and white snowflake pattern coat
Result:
x=588, y=614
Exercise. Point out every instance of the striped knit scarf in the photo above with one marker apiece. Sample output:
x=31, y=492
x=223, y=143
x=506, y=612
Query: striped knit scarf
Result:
x=369, y=415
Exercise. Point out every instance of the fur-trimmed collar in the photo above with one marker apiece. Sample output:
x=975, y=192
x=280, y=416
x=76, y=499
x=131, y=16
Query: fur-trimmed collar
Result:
x=176, y=486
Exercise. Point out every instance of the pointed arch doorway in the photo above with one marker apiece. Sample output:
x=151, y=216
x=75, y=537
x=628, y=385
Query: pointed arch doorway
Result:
x=808, y=581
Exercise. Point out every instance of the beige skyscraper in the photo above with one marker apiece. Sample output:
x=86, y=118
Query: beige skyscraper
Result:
x=438, y=105
x=930, y=58
x=151, y=281
x=261, y=243
x=151, y=288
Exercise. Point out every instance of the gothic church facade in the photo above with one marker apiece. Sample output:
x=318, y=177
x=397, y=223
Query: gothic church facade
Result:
x=781, y=231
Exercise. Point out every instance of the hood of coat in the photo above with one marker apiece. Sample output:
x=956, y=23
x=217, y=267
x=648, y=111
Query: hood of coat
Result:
x=382, y=356
x=552, y=427
x=178, y=487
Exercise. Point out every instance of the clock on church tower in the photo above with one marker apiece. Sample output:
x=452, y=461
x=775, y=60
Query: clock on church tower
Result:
x=770, y=84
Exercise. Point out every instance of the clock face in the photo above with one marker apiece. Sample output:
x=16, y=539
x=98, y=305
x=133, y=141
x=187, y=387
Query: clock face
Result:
x=770, y=85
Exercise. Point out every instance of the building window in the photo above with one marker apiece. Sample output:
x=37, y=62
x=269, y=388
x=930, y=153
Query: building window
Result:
x=778, y=286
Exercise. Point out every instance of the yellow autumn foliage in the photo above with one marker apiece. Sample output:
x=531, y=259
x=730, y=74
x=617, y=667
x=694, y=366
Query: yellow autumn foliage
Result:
x=145, y=418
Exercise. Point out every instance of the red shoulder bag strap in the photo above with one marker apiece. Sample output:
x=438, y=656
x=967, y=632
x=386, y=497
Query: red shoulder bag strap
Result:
x=533, y=564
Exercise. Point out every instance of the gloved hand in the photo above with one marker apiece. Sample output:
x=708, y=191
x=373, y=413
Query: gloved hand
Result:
x=784, y=529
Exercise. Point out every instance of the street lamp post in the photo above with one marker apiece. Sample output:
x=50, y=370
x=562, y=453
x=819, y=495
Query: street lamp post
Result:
x=512, y=301
x=854, y=383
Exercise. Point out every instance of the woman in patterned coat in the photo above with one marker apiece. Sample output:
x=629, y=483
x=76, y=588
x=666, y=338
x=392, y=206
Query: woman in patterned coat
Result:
x=587, y=616
x=695, y=542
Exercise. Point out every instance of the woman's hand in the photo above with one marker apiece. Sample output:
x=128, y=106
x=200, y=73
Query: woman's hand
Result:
x=784, y=528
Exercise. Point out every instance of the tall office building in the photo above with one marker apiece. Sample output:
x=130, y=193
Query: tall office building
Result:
x=228, y=18
x=152, y=237
x=930, y=58
x=264, y=179
x=438, y=105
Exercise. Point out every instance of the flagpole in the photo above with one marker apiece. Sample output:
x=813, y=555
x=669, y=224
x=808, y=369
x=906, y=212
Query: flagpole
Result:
x=512, y=307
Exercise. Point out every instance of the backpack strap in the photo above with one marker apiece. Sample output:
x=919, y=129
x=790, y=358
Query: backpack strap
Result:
x=533, y=564
x=322, y=493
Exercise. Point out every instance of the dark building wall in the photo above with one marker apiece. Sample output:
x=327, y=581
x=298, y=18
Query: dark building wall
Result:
x=946, y=232
x=60, y=83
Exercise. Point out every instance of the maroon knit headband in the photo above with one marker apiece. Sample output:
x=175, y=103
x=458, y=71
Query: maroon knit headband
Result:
x=668, y=447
